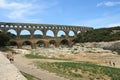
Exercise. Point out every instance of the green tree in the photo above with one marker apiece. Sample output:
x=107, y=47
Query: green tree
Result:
x=4, y=39
x=62, y=36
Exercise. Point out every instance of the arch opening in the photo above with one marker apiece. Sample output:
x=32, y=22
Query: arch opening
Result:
x=78, y=32
x=12, y=33
x=13, y=44
x=71, y=34
x=27, y=45
x=52, y=43
x=49, y=34
x=40, y=44
x=25, y=34
x=61, y=34
x=0, y=31
x=38, y=34
x=64, y=42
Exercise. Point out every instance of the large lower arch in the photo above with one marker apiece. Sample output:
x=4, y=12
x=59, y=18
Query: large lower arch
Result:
x=53, y=43
x=41, y=43
x=27, y=45
x=14, y=44
x=25, y=34
x=64, y=42
x=38, y=34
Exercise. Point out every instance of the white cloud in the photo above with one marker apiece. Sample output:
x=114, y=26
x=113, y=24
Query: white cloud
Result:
x=21, y=9
x=14, y=9
x=13, y=5
x=109, y=3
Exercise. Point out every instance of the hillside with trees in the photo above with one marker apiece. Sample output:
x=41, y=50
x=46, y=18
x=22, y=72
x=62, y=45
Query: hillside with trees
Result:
x=98, y=35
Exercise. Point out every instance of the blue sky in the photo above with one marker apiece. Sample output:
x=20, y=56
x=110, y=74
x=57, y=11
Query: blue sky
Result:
x=91, y=13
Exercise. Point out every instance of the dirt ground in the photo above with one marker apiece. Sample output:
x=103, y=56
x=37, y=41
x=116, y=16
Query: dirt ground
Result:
x=107, y=59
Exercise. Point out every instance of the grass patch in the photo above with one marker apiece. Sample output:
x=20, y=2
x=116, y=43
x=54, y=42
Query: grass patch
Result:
x=29, y=77
x=81, y=70
x=35, y=56
x=32, y=56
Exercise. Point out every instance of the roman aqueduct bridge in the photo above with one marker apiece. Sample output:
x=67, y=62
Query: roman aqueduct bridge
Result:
x=19, y=27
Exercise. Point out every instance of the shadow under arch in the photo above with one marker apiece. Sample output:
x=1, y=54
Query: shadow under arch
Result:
x=64, y=42
x=27, y=45
x=41, y=43
x=53, y=42
x=13, y=44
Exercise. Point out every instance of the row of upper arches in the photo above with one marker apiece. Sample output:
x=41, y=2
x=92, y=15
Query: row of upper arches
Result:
x=39, y=32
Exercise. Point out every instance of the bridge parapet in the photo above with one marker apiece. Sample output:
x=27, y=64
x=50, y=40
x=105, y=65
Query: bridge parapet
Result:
x=42, y=26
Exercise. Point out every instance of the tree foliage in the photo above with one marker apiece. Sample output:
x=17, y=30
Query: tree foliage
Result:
x=5, y=37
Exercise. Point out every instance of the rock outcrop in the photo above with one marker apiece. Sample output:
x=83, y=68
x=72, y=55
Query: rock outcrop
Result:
x=8, y=71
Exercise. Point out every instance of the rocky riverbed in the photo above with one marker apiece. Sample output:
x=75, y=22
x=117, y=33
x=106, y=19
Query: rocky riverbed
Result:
x=97, y=52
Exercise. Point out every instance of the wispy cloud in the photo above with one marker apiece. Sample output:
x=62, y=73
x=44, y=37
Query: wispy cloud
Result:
x=109, y=3
x=109, y=21
x=21, y=9
x=14, y=10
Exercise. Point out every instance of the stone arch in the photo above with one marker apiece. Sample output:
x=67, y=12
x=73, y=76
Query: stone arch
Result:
x=78, y=32
x=1, y=30
x=41, y=43
x=27, y=44
x=14, y=44
x=38, y=34
x=71, y=33
x=12, y=31
x=49, y=33
x=64, y=42
x=61, y=33
x=25, y=34
x=53, y=42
